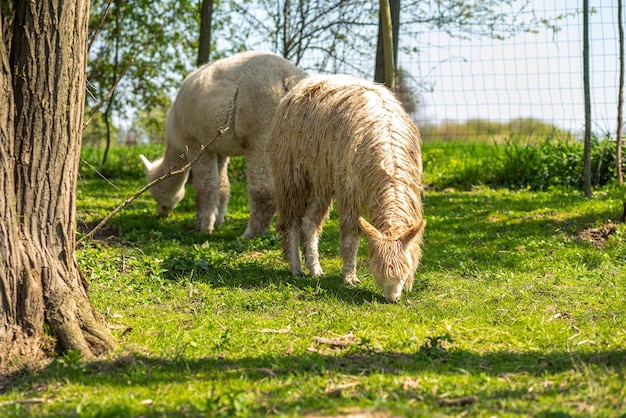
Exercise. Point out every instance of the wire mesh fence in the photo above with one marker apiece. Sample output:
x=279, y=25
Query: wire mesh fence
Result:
x=480, y=86
x=467, y=82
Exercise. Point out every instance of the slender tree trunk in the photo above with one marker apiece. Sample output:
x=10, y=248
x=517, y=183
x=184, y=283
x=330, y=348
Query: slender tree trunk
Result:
x=109, y=107
x=388, y=45
x=286, y=38
x=41, y=280
x=206, y=19
x=107, y=123
x=379, y=72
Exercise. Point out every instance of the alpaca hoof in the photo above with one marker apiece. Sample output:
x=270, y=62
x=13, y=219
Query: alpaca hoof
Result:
x=251, y=233
x=248, y=235
x=316, y=271
x=205, y=224
x=203, y=228
x=297, y=272
x=351, y=280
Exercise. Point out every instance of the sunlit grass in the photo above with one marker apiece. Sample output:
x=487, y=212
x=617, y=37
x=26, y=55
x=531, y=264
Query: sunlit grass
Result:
x=516, y=311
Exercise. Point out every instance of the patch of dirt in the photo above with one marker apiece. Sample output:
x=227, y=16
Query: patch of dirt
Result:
x=598, y=236
x=106, y=235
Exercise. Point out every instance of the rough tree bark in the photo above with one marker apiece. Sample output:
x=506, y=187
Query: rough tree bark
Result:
x=41, y=114
x=10, y=326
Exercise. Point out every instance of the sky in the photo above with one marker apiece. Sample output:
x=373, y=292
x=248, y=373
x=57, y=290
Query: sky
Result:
x=531, y=75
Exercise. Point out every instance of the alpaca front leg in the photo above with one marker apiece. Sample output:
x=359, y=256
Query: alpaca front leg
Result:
x=349, y=249
x=205, y=181
x=310, y=240
x=224, y=189
x=312, y=224
x=350, y=236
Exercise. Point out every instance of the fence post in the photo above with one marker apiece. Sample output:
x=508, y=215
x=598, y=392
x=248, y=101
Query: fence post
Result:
x=587, y=149
x=620, y=102
x=385, y=14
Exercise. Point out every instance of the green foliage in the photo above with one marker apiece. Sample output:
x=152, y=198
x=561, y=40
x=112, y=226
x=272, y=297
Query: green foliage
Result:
x=152, y=121
x=156, y=42
x=123, y=161
x=95, y=134
x=484, y=131
x=434, y=347
x=516, y=163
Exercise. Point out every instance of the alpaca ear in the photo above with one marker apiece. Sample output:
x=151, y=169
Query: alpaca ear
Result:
x=412, y=232
x=146, y=163
x=369, y=229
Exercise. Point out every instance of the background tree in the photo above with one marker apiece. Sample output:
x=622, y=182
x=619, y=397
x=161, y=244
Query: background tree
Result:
x=6, y=10
x=407, y=93
x=41, y=115
x=320, y=35
x=620, y=103
x=159, y=41
x=341, y=35
x=156, y=42
x=206, y=22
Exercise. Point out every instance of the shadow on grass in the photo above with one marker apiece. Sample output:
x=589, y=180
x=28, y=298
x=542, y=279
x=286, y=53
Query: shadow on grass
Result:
x=450, y=362
x=287, y=374
x=484, y=231
x=231, y=270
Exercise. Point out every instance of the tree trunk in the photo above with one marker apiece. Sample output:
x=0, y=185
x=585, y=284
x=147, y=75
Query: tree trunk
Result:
x=379, y=72
x=389, y=50
x=40, y=278
x=206, y=18
x=13, y=332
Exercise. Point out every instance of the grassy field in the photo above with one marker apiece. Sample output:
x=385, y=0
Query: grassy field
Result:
x=517, y=310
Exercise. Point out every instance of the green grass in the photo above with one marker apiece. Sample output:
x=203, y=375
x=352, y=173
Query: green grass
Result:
x=518, y=162
x=517, y=310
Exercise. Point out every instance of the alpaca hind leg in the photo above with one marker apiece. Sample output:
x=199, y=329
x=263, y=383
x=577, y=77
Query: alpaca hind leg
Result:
x=260, y=196
x=310, y=232
x=205, y=181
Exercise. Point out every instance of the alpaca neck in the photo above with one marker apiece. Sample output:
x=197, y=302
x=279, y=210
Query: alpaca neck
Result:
x=170, y=161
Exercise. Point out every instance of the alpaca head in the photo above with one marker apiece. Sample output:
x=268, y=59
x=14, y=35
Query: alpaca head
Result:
x=394, y=259
x=167, y=193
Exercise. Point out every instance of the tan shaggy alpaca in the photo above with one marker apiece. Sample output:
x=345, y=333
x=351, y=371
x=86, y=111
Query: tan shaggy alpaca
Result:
x=240, y=92
x=343, y=138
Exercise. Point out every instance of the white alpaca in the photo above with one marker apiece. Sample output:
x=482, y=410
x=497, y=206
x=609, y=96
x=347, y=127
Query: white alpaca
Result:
x=343, y=138
x=240, y=93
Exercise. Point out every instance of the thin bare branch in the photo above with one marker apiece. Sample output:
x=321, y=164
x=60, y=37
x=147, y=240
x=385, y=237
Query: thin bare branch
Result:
x=108, y=95
x=99, y=173
x=104, y=16
x=173, y=172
